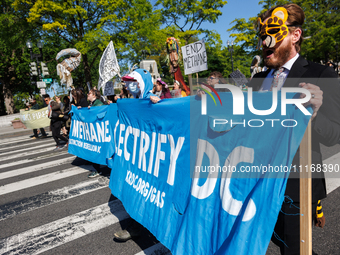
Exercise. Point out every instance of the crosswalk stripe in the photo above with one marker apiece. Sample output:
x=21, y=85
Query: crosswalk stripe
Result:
x=35, y=168
x=157, y=249
x=28, y=149
x=16, y=139
x=56, y=233
x=28, y=153
x=6, y=148
x=42, y=179
x=27, y=161
x=51, y=197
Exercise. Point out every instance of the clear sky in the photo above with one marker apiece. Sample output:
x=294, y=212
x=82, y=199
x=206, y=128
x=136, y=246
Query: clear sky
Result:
x=234, y=9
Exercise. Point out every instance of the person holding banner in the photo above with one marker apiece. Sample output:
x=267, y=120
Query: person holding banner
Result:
x=56, y=119
x=281, y=35
x=139, y=84
x=35, y=106
x=79, y=99
x=92, y=97
x=178, y=90
x=162, y=89
x=112, y=99
x=213, y=79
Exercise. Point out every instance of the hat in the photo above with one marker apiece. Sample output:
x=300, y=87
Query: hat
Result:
x=177, y=82
x=162, y=82
x=128, y=78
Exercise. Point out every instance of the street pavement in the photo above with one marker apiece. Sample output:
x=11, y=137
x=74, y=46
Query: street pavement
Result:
x=48, y=205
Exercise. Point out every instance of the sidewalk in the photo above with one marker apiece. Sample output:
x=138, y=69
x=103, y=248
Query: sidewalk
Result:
x=9, y=131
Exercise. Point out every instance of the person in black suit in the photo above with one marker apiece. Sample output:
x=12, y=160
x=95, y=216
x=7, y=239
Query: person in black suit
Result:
x=281, y=36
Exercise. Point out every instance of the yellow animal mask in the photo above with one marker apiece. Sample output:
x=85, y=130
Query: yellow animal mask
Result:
x=274, y=29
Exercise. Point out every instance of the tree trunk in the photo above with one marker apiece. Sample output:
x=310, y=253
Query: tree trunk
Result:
x=87, y=70
x=2, y=103
x=8, y=98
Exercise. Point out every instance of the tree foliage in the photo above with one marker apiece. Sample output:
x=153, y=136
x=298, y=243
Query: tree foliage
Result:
x=187, y=16
x=89, y=26
x=321, y=28
x=14, y=56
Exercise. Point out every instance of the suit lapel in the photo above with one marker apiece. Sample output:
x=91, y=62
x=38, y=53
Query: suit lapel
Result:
x=298, y=69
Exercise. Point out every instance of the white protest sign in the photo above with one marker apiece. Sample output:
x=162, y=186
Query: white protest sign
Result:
x=194, y=57
x=41, y=84
x=108, y=89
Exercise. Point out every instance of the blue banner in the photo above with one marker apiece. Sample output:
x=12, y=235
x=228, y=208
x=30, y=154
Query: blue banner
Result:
x=91, y=133
x=208, y=183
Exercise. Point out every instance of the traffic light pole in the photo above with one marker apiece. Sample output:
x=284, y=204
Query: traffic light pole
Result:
x=35, y=57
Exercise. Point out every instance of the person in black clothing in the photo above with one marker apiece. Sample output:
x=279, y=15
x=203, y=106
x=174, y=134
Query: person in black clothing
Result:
x=35, y=106
x=112, y=99
x=56, y=119
x=281, y=56
x=79, y=99
x=67, y=122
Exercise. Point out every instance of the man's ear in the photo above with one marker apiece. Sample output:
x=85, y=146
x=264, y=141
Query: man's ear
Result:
x=296, y=35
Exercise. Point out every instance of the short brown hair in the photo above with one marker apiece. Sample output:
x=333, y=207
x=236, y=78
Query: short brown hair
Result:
x=219, y=76
x=296, y=18
x=96, y=93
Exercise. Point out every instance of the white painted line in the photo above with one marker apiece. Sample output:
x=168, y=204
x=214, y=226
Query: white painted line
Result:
x=43, y=141
x=332, y=183
x=24, y=139
x=46, y=237
x=52, y=197
x=29, y=161
x=15, y=139
x=36, y=168
x=28, y=153
x=29, y=148
x=157, y=249
x=28, y=183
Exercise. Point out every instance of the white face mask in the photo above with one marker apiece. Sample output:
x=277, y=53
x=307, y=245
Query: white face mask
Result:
x=133, y=86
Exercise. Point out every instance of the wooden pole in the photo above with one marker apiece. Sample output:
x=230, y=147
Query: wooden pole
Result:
x=306, y=193
x=190, y=84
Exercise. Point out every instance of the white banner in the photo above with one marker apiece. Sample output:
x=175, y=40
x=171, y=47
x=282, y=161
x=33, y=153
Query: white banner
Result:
x=194, y=57
x=108, y=66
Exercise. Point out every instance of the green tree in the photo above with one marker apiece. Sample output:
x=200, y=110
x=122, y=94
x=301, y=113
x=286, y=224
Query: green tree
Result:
x=187, y=16
x=88, y=25
x=14, y=56
x=321, y=28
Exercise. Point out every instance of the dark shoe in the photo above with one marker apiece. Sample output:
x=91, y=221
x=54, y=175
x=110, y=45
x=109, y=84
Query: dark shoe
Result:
x=93, y=174
x=43, y=136
x=125, y=235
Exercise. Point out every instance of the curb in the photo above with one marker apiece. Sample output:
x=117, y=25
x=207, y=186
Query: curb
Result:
x=18, y=132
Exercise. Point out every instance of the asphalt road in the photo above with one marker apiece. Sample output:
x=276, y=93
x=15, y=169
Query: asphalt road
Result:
x=48, y=205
